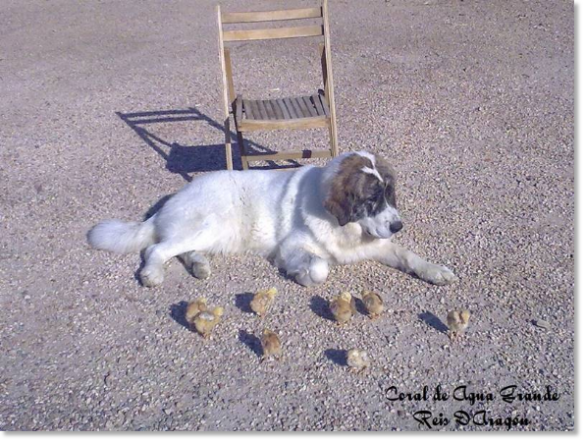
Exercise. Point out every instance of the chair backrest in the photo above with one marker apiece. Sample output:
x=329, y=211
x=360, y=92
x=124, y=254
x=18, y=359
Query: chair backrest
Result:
x=316, y=30
x=271, y=16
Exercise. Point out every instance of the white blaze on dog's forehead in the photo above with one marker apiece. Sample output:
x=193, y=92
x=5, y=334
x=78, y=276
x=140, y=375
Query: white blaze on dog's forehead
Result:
x=371, y=170
x=369, y=156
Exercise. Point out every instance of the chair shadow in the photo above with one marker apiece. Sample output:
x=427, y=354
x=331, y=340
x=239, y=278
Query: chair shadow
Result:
x=251, y=341
x=320, y=307
x=177, y=312
x=187, y=159
x=338, y=357
x=433, y=321
x=243, y=301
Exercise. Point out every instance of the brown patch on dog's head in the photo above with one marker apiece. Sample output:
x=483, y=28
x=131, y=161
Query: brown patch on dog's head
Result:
x=355, y=193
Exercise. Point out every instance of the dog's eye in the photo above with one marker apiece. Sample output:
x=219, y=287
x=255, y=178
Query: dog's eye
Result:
x=391, y=195
x=373, y=203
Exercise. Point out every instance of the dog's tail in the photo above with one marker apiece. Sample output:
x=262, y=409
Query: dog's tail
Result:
x=122, y=237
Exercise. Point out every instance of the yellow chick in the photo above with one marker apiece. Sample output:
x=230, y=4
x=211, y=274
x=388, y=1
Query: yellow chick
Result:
x=358, y=360
x=342, y=307
x=262, y=301
x=271, y=345
x=457, y=320
x=206, y=320
x=194, y=308
x=374, y=304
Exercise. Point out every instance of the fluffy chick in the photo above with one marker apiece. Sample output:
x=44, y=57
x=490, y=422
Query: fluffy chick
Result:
x=457, y=320
x=206, y=320
x=271, y=345
x=342, y=307
x=262, y=301
x=373, y=302
x=194, y=308
x=358, y=360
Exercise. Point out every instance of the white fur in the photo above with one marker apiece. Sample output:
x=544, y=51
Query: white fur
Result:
x=279, y=215
x=379, y=226
x=371, y=170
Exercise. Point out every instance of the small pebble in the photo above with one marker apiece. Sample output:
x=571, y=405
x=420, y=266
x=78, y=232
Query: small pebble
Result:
x=540, y=323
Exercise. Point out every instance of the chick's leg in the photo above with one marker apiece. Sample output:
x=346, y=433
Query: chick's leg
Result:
x=402, y=259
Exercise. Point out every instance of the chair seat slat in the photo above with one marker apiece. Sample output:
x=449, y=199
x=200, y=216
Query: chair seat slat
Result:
x=247, y=109
x=302, y=105
x=239, y=108
x=262, y=108
x=318, y=106
x=283, y=109
x=324, y=104
x=276, y=110
x=310, y=106
x=291, y=109
x=270, y=110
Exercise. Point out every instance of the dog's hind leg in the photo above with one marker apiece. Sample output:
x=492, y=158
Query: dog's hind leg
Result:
x=197, y=263
x=155, y=258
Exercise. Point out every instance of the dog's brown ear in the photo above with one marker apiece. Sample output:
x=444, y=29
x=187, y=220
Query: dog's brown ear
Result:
x=344, y=191
x=338, y=206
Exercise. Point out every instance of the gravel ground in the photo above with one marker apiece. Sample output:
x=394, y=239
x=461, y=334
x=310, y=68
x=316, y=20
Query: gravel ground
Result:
x=472, y=101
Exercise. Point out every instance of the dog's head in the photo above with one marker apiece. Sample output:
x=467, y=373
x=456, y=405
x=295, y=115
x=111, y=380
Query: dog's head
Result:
x=359, y=188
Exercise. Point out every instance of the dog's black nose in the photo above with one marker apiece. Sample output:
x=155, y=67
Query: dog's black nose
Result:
x=396, y=226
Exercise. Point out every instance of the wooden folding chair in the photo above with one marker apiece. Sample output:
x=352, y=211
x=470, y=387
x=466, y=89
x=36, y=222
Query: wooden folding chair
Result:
x=316, y=110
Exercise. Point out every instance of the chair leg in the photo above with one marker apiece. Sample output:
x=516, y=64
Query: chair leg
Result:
x=228, y=145
x=333, y=137
x=243, y=155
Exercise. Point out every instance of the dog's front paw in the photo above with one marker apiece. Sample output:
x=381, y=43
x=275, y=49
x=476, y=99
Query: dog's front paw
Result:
x=151, y=277
x=304, y=278
x=437, y=274
x=315, y=274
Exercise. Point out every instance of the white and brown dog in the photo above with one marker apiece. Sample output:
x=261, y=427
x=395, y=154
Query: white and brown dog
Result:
x=304, y=220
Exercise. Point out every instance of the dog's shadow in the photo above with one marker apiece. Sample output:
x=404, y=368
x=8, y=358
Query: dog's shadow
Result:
x=157, y=206
x=336, y=356
x=177, y=312
x=251, y=341
x=433, y=321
